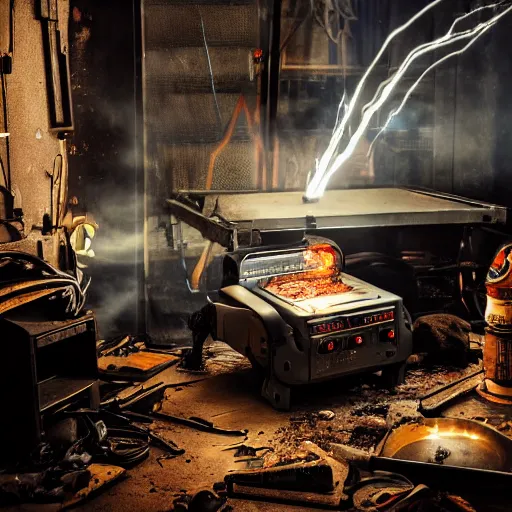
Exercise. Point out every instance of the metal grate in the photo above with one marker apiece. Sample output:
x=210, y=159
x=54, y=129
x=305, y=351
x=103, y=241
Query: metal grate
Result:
x=191, y=93
x=186, y=70
x=168, y=26
x=403, y=140
x=187, y=164
x=191, y=118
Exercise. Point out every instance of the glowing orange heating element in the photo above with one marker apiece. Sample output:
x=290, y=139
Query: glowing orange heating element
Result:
x=321, y=276
x=321, y=259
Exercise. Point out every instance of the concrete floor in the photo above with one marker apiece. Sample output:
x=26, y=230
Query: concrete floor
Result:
x=228, y=395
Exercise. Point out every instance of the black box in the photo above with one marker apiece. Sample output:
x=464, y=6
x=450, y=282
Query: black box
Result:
x=44, y=366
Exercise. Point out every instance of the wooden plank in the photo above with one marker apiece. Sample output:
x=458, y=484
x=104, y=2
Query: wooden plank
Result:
x=142, y=361
x=101, y=475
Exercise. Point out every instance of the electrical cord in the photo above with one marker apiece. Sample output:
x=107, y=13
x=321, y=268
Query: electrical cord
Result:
x=4, y=174
x=48, y=276
x=219, y=117
x=7, y=176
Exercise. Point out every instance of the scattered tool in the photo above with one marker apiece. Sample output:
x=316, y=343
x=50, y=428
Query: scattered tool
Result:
x=317, y=479
x=431, y=403
x=197, y=423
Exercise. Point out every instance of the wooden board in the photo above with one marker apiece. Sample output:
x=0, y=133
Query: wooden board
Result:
x=143, y=361
x=101, y=475
x=139, y=362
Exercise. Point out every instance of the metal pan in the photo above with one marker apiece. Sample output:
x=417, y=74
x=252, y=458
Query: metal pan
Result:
x=450, y=442
x=447, y=454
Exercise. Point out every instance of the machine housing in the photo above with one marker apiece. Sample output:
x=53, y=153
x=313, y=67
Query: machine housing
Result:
x=298, y=317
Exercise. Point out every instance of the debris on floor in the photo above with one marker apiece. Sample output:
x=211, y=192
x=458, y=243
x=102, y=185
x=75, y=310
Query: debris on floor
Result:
x=102, y=475
x=309, y=476
x=202, y=501
x=291, y=458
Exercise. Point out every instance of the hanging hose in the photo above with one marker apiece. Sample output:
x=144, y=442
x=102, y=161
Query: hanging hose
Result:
x=240, y=105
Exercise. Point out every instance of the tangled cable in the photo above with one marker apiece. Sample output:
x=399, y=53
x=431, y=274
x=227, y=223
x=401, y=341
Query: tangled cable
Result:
x=328, y=12
x=25, y=278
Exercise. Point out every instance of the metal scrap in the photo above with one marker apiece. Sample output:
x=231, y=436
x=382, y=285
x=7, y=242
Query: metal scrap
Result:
x=313, y=477
x=441, y=455
x=197, y=423
x=432, y=402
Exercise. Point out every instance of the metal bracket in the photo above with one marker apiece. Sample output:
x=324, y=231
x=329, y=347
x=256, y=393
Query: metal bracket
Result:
x=310, y=223
x=58, y=76
x=229, y=236
x=210, y=229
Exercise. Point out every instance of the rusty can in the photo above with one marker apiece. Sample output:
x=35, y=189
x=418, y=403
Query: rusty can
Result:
x=498, y=313
x=498, y=356
x=498, y=283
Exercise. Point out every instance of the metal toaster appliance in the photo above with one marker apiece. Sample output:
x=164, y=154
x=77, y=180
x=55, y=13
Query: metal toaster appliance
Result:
x=294, y=313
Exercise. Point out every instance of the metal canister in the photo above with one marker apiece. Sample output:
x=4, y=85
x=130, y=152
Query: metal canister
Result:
x=498, y=312
x=497, y=385
x=498, y=356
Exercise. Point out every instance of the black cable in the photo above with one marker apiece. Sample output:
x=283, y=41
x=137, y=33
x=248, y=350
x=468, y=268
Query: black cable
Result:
x=76, y=303
x=6, y=130
x=219, y=117
x=4, y=173
x=56, y=179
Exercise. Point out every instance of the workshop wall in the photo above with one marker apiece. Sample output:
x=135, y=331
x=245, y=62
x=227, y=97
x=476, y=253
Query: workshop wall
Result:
x=35, y=150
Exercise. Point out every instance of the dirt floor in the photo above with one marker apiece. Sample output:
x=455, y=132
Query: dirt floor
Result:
x=229, y=396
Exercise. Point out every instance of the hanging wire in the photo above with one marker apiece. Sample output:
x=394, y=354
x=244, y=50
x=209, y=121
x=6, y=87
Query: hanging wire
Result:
x=6, y=173
x=207, y=51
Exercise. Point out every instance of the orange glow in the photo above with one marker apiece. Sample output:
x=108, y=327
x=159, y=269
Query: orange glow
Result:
x=321, y=277
x=437, y=434
x=321, y=258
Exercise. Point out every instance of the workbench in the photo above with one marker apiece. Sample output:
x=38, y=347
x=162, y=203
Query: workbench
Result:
x=337, y=209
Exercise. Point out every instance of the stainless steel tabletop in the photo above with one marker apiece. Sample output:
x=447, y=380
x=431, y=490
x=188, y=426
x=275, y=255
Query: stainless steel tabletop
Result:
x=270, y=211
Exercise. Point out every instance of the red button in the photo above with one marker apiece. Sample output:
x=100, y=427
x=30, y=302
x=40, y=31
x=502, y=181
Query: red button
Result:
x=330, y=346
x=358, y=340
x=391, y=334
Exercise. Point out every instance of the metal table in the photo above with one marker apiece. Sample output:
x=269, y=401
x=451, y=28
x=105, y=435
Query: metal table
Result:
x=352, y=208
x=337, y=209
